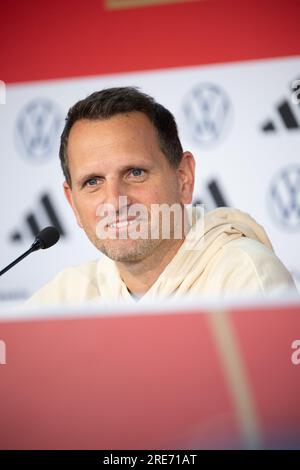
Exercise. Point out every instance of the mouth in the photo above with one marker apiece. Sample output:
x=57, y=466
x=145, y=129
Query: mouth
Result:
x=123, y=224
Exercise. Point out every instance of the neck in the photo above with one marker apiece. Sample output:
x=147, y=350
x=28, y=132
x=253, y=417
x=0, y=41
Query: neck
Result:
x=141, y=275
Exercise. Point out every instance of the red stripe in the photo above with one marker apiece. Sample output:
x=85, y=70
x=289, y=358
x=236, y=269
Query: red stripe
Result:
x=64, y=38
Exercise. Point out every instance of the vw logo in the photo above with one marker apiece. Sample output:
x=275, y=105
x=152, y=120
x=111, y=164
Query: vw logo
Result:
x=207, y=111
x=284, y=197
x=37, y=130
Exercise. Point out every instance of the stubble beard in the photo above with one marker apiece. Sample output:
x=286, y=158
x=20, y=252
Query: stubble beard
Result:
x=127, y=251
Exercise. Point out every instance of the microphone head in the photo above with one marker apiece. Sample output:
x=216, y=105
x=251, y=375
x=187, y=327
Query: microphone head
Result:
x=47, y=237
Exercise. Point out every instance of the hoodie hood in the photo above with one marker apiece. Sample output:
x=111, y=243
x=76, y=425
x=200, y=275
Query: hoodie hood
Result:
x=228, y=220
x=210, y=234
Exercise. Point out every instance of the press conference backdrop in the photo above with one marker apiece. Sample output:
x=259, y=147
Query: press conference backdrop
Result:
x=236, y=105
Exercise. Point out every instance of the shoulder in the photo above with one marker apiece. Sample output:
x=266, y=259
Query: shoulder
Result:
x=248, y=266
x=71, y=284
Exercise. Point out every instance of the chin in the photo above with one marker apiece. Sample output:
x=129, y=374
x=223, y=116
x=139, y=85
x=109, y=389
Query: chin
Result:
x=128, y=250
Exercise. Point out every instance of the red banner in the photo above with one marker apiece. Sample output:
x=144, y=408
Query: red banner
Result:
x=59, y=38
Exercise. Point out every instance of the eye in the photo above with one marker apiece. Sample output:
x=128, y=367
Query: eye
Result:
x=91, y=182
x=136, y=172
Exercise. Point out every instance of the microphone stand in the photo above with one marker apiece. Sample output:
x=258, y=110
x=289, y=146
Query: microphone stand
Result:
x=34, y=247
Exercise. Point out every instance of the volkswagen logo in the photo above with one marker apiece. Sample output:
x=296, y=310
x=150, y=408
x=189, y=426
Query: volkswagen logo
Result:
x=284, y=198
x=207, y=113
x=37, y=130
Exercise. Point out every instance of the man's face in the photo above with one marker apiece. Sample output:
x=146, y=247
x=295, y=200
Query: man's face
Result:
x=117, y=157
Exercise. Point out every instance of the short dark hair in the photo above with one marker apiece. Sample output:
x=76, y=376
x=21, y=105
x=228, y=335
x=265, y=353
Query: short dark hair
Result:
x=112, y=101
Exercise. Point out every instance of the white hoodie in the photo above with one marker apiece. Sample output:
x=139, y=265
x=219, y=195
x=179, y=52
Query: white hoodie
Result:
x=233, y=257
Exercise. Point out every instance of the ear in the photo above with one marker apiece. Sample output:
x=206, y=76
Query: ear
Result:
x=69, y=197
x=186, y=175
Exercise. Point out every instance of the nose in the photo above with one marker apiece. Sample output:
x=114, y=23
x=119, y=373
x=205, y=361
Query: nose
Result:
x=116, y=194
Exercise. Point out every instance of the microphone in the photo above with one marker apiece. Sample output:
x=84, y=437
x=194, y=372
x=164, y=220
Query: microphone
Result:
x=44, y=239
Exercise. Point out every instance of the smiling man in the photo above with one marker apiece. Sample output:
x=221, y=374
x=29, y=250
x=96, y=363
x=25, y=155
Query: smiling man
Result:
x=122, y=159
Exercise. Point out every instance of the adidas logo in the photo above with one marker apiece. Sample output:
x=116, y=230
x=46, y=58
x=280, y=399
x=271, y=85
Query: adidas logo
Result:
x=287, y=115
x=213, y=196
x=34, y=223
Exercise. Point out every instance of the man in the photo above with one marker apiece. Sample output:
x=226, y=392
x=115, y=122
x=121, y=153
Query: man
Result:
x=119, y=150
